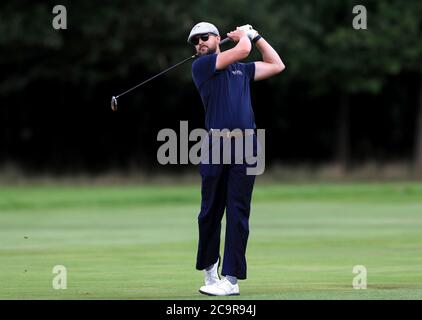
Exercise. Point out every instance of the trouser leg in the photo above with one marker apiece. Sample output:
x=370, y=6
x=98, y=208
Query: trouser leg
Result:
x=239, y=194
x=213, y=192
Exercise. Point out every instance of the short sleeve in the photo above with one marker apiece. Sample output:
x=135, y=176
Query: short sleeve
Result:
x=250, y=70
x=203, y=69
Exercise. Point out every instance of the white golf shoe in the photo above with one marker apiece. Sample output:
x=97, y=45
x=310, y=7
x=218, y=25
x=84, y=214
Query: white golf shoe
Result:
x=211, y=276
x=221, y=288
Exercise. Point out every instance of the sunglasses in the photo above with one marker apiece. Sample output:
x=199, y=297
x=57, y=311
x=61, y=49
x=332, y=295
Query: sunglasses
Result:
x=203, y=37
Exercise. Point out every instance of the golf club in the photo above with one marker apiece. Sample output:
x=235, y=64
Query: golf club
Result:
x=114, y=98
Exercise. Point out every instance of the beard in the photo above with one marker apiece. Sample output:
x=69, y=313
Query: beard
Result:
x=206, y=51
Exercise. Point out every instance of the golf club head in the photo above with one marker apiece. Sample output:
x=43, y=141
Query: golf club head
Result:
x=113, y=103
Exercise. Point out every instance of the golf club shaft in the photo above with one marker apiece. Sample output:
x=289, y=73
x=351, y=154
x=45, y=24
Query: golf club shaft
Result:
x=164, y=71
x=159, y=74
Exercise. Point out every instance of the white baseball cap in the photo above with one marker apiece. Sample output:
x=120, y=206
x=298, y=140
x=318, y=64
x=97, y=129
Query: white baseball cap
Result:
x=201, y=28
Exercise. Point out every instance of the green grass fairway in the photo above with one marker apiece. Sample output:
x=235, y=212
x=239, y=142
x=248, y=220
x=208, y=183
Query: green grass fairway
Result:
x=139, y=242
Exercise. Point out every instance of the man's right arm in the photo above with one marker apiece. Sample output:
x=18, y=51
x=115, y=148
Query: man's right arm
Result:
x=238, y=53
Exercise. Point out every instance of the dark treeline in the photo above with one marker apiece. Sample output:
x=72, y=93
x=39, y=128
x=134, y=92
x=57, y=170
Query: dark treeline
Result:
x=347, y=95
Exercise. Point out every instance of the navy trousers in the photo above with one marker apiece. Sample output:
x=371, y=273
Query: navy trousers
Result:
x=225, y=187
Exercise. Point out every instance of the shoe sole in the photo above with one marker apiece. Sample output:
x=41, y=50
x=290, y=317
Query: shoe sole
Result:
x=215, y=295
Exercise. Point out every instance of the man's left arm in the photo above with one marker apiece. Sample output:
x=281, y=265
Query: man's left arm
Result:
x=271, y=64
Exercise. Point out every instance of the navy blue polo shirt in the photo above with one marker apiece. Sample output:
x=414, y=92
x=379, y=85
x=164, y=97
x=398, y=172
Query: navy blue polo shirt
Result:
x=225, y=93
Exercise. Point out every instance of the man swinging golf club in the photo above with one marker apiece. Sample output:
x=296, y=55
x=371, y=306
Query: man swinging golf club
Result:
x=223, y=84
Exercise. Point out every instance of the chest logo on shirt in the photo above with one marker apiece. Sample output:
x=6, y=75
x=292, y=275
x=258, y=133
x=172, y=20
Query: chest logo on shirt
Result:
x=237, y=73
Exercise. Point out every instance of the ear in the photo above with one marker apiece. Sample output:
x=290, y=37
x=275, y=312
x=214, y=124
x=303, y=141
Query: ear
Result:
x=218, y=39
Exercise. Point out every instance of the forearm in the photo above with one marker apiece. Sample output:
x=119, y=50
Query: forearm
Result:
x=269, y=55
x=244, y=45
x=237, y=53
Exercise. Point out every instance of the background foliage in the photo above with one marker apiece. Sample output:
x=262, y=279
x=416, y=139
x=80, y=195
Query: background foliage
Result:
x=347, y=95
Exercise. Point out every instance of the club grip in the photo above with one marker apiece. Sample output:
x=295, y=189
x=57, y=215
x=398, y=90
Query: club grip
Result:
x=225, y=40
